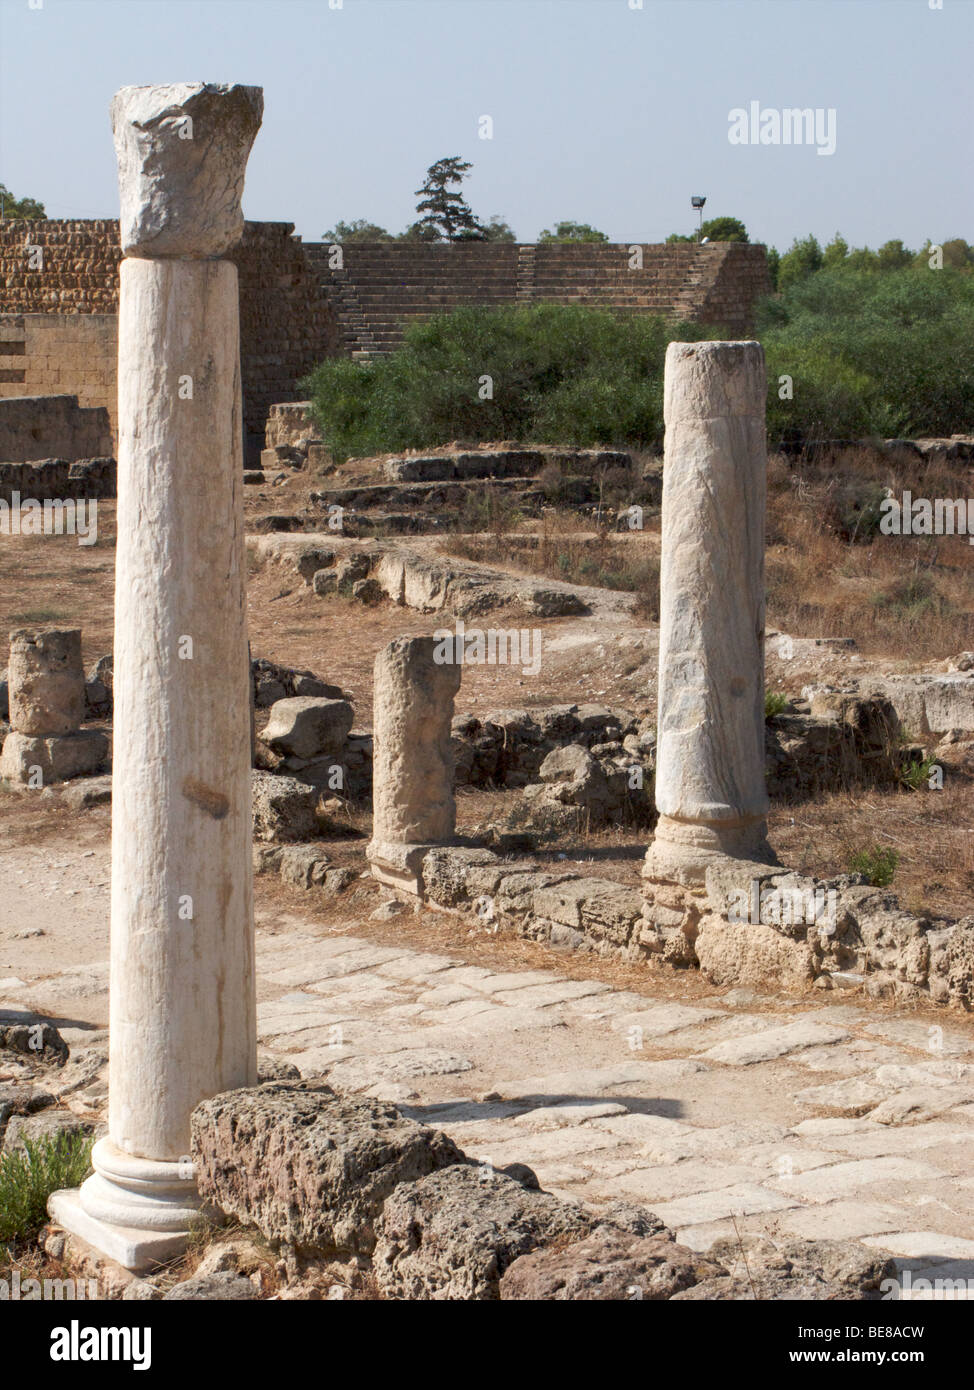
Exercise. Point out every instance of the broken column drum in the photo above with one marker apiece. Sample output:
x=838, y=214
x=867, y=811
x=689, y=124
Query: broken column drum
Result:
x=412, y=775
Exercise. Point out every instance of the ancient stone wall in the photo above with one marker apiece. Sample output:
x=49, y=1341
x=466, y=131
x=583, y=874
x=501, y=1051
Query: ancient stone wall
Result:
x=59, y=301
x=59, y=287
x=52, y=427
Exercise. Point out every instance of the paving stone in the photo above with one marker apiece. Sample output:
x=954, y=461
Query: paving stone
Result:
x=403, y=1011
x=554, y=1144
x=663, y=1019
x=849, y=1179
x=783, y=1159
x=668, y=1141
x=855, y=1096
x=953, y=1282
x=932, y=1073
x=821, y=1129
x=415, y=965
x=878, y=1141
x=514, y=979
x=775, y=1042
x=448, y=994
x=741, y=1199
x=459, y=975
x=663, y=1184
x=854, y=1058
x=360, y=1072
x=842, y=1220
x=544, y=996
x=932, y=1038
x=703, y=1035
x=556, y=1116
x=501, y=1020
x=923, y=1244
x=593, y=1081
x=917, y=1104
x=458, y=1011
x=556, y=1177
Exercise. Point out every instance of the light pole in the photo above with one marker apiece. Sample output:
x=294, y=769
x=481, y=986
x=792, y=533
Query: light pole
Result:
x=698, y=204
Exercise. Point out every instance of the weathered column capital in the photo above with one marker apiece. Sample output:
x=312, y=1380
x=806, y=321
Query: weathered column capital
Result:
x=182, y=154
x=712, y=380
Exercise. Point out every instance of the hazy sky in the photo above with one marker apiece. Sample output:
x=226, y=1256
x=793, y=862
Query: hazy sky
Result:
x=602, y=111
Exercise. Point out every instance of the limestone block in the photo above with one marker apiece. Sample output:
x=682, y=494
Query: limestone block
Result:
x=46, y=681
x=283, y=808
x=307, y=1165
x=182, y=150
x=57, y=758
x=307, y=726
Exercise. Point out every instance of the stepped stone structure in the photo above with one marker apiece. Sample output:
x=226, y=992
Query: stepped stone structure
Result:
x=382, y=286
x=182, y=993
x=59, y=281
x=46, y=693
x=412, y=779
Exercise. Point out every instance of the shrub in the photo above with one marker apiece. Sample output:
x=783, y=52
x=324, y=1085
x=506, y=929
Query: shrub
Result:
x=869, y=353
x=877, y=864
x=917, y=773
x=775, y=702
x=30, y=1174
x=561, y=374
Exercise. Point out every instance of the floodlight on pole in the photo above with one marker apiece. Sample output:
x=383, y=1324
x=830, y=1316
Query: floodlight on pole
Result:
x=698, y=202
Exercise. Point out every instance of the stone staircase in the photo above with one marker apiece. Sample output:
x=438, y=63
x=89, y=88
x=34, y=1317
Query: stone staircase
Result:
x=383, y=286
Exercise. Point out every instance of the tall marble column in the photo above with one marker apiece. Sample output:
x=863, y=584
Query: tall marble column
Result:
x=182, y=991
x=710, y=789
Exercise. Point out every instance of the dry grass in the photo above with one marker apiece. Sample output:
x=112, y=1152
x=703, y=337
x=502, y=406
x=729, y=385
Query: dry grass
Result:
x=826, y=577
x=929, y=830
x=559, y=547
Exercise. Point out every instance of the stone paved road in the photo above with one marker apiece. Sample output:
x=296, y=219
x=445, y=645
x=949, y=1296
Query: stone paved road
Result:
x=831, y=1121
x=824, y=1122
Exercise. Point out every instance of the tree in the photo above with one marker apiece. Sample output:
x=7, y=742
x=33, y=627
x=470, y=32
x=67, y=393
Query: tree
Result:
x=572, y=231
x=801, y=260
x=442, y=210
x=957, y=254
x=724, y=229
x=893, y=255
x=499, y=230
x=836, y=252
x=13, y=207
x=360, y=230
x=774, y=263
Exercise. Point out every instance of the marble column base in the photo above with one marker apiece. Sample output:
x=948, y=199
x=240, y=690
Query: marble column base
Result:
x=137, y=1211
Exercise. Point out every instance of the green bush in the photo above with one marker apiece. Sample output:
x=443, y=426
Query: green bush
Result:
x=870, y=354
x=917, y=773
x=30, y=1174
x=560, y=374
x=775, y=702
x=878, y=865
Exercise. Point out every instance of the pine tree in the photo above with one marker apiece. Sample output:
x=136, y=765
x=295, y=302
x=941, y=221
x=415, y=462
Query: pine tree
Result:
x=444, y=214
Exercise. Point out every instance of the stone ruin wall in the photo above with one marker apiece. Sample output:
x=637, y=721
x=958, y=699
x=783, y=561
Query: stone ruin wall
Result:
x=59, y=324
